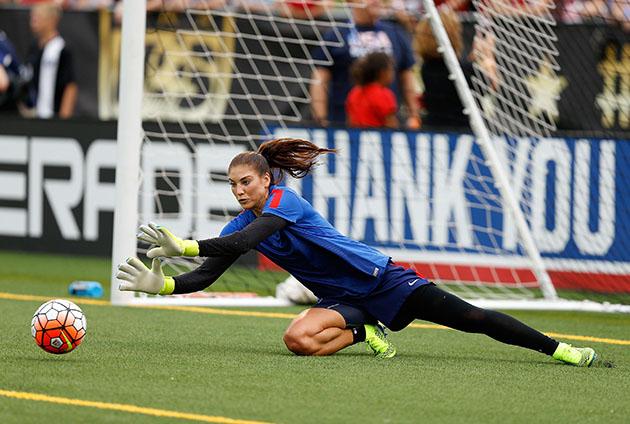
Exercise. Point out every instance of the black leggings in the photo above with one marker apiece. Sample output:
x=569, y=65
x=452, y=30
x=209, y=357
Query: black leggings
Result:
x=432, y=304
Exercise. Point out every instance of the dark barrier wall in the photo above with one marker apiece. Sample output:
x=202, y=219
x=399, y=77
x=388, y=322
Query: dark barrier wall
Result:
x=595, y=63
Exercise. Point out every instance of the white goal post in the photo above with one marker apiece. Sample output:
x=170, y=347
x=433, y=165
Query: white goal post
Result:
x=129, y=141
x=199, y=86
x=484, y=139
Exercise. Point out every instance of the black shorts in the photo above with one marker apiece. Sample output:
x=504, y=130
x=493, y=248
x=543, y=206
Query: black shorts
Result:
x=383, y=303
x=354, y=316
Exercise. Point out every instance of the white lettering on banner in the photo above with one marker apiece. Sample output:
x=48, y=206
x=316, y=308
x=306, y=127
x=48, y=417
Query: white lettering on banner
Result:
x=99, y=196
x=517, y=171
x=62, y=195
x=448, y=191
x=410, y=188
x=329, y=186
x=594, y=242
x=546, y=153
x=168, y=161
x=420, y=195
x=370, y=199
x=14, y=151
x=211, y=194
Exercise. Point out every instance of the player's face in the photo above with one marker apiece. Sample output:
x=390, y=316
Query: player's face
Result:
x=249, y=188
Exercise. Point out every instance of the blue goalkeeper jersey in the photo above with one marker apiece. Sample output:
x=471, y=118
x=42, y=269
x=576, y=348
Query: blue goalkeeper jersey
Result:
x=313, y=251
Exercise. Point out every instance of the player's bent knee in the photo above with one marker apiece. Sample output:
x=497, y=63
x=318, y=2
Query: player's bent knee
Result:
x=298, y=343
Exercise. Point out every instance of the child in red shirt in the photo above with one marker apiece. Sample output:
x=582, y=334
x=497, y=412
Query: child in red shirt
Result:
x=371, y=103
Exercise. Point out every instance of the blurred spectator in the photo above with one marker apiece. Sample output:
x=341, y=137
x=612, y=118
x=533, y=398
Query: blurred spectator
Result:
x=87, y=4
x=11, y=81
x=263, y=7
x=302, y=9
x=34, y=2
x=576, y=11
x=455, y=5
x=609, y=10
x=371, y=103
x=172, y=6
x=407, y=12
x=180, y=5
x=53, y=87
x=441, y=101
x=331, y=83
x=515, y=8
x=569, y=11
x=404, y=13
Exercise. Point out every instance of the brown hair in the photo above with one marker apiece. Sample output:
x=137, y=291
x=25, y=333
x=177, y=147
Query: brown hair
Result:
x=368, y=68
x=426, y=44
x=293, y=156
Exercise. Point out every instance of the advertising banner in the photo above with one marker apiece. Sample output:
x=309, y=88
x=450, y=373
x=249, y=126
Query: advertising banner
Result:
x=57, y=186
x=424, y=198
x=427, y=198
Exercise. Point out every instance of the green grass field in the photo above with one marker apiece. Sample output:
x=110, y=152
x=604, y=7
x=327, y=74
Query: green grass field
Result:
x=138, y=363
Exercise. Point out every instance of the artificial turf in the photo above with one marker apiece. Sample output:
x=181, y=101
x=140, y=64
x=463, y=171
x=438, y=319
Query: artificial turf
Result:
x=237, y=366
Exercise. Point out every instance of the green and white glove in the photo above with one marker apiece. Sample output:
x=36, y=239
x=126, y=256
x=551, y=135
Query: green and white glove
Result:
x=167, y=244
x=137, y=277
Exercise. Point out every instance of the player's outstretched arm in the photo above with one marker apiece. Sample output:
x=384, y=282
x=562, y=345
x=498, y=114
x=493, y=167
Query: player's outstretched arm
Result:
x=166, y=243
x=137, y=277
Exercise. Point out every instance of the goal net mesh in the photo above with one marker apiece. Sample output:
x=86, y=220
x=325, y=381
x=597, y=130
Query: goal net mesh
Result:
x=222, y=78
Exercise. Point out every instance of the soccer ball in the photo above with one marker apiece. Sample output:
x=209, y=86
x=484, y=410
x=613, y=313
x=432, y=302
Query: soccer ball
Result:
x=58, y=326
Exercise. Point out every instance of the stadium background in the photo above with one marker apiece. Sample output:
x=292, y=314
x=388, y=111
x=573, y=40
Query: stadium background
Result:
x=228, y=365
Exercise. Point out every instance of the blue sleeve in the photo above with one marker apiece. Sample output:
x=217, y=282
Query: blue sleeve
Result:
x=285, y=204
x=238, y=223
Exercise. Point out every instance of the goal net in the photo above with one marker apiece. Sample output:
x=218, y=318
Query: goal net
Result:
x=470, y=211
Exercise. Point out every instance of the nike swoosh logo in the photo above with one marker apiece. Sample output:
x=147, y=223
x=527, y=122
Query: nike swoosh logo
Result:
x=411, y=283
x=67, y=341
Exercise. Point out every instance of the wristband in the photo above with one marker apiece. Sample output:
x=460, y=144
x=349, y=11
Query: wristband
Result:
x=191, y=248
x=168, y=287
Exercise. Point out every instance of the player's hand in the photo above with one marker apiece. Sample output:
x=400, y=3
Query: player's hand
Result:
x=166, y=243
x=137, y=277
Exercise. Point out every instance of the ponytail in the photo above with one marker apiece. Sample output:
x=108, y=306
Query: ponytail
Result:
x=293, y=156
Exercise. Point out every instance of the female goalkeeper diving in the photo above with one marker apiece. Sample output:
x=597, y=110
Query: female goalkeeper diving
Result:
x=358, y=287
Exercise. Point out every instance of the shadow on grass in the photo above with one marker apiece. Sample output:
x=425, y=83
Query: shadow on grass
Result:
x=46, y=357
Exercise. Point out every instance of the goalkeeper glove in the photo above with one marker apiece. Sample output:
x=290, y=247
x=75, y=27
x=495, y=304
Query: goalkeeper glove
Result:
x=167, y=243
x=137, y=277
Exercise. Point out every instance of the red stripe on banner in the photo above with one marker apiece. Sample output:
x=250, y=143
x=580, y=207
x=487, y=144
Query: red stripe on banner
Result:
x=484, y=274
x=276, y=195
x=599, y=282
x=571, y=280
